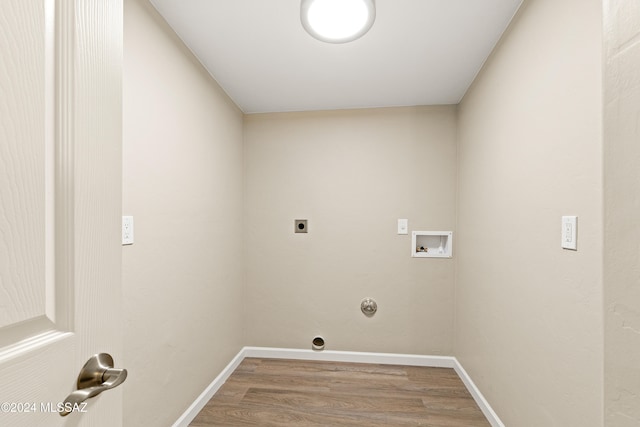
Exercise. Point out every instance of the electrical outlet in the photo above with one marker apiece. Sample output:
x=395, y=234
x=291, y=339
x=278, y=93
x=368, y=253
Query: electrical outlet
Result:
x=127, y=230
x=403, y=226
x=570, y=232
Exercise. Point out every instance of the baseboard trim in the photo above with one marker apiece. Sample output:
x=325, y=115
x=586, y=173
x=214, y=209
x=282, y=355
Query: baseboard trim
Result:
x=482, y=403
x=339, y=356
x=193, y=410
x=351, y=356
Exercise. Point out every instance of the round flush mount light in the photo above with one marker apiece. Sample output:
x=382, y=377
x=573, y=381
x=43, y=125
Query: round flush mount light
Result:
x=337, y=21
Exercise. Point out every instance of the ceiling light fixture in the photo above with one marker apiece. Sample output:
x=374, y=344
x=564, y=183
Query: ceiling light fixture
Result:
x=337, y=21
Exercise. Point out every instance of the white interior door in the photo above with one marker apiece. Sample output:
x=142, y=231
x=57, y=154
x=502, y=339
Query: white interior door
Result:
x=60, y=206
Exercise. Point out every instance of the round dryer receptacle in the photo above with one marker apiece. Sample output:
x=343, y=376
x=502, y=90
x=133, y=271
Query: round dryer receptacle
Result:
x=368, y=307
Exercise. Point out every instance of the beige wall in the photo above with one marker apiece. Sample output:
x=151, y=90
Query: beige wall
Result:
x=182, y=278
x=525, y=317
x=529, y=314
x=622, y=199
x=352, y=174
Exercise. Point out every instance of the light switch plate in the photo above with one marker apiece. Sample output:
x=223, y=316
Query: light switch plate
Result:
x=403, y=226
x=127, y=230
x=570, y=232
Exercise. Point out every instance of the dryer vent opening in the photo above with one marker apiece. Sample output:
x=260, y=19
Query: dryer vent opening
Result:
x=318, y=343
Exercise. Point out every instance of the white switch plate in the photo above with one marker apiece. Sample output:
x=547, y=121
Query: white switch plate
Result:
x=127, y=230
x=570, y=232
x=403, y=226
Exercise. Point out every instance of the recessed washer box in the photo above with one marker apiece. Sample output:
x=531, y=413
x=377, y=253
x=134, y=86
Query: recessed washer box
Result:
x=432, y=244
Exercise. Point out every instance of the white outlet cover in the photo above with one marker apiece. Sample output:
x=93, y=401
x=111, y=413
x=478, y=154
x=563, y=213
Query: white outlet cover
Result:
x=127, y=230
x=403, y=226
x=570, y=232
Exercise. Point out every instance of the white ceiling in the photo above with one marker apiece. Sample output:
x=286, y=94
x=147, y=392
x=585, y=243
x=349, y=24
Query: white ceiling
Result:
x=418, y=52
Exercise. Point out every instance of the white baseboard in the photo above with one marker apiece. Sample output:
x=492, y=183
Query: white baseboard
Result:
x=339, y=356
x=351, y=356
x=193, y=410
x=482, y=403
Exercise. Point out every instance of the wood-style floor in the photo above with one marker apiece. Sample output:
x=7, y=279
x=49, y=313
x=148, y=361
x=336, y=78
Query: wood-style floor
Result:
x=276, y=392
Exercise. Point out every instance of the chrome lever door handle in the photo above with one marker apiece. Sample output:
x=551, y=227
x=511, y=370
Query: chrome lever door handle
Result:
x=96, y=376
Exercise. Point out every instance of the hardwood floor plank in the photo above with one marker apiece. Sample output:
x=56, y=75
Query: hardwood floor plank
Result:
x=278, y=392
x=332, y=401
x=232, y=415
